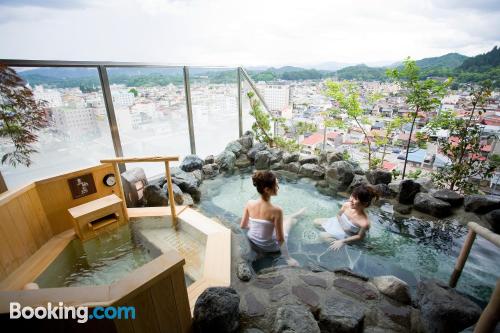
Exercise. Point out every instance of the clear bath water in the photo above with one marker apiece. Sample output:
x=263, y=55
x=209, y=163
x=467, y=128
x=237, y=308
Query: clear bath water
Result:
x=409, y=248
x=98, y=261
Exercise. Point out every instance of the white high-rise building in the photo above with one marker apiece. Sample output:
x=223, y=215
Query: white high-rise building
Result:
x=76, y=123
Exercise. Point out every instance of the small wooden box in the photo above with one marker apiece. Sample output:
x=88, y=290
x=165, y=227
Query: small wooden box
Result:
x=96, y=216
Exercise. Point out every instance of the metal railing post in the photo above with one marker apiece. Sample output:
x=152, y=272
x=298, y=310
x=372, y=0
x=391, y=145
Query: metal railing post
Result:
x=240, y=104
x=3, y=185
x=189, y=109
x=254, y=88
x=110, y=111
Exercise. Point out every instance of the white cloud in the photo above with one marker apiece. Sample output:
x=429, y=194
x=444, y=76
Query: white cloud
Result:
x=231, y=32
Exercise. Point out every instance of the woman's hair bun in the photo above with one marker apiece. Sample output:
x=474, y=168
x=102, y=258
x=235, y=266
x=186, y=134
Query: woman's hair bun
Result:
x=263, y=179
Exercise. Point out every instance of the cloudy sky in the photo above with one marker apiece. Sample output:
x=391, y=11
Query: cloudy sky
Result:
x=256, y=32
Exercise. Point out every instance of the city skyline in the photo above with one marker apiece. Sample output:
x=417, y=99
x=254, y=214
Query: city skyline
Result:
x=254, y=34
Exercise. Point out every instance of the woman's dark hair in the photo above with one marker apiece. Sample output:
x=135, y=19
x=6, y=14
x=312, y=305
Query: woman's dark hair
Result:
x=263, y=179
x=365, y=194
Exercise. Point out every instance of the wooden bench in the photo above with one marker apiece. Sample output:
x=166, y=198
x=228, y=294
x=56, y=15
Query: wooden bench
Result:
x=96, y=216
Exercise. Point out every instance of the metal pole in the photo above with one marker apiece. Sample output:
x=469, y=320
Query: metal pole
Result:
x=254, y=88
x=3, y=185
x=240, y=105
x=110, y=111
x=189, y=109
x=462, y=258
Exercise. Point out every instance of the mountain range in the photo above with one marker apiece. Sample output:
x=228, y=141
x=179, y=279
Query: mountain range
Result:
x=463, y=68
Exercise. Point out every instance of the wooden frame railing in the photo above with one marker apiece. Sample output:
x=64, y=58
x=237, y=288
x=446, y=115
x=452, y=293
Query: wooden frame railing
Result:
x=489, y=317
x=166, y=159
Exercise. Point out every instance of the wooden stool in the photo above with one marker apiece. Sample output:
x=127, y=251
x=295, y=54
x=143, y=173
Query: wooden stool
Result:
x=96, y=216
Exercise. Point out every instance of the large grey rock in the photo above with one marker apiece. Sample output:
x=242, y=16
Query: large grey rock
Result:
x=378, y=177
x=258, y=146
x=451, y=197
x=356, y=181
x=481, y=204
x=408, y=189
x=187, y=199
x=385, y=191
x=210, y=159
x=244, y=273
x=443, y=309
x=425, y=184
x=210, y=170
x=188, y=183
x=426, y=203
x=290, y=157
x=308, y=159
x=226, y=160
x=402, y=209
x=246, y=142
x=356, y=168
x=178, y=198
x=217, y=310
x=292, y=167
x=242, y=162
x=235, y=147
x=313, y=171
x=198, y=174
x=294, y=319
x=191, y=163
x=341, y=315
x=394, y=185
x=334, y=157
x=276, y=155
x=323, y=188
x=493, y=218
x=262, y=160
x=393, y=287
x=339, y=175
x=155, y=196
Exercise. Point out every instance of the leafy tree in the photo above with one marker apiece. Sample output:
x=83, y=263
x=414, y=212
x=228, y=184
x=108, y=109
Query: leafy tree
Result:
x=415, y=174
x=263, y=129
x=134, y=91
x=347, y=98
x=421, y=96
x=464, y=145
x=393, y=125
x=21, y=116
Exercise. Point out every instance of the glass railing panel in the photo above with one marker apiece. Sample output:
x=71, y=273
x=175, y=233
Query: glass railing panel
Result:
x=150, y=109
x=77, y=135
x=215, y=108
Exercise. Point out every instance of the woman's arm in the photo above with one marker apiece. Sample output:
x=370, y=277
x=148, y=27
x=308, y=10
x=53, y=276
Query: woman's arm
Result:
x=280, y=235
x=244, y=218
x=338, y=243
x=341, y=210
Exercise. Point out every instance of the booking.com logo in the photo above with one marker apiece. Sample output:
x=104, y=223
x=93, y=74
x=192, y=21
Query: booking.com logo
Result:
x=61, y=311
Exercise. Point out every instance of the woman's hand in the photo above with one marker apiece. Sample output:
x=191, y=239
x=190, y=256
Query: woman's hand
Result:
x=292, y=262
x=336, y=245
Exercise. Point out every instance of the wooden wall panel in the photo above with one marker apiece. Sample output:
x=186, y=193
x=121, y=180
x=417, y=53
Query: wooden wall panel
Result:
x=24, y=228
x=56, y=198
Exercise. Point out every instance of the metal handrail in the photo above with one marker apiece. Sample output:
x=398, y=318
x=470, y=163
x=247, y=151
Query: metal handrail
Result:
x=70, y=63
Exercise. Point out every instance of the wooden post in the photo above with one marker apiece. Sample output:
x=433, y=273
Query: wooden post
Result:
x=491, y=314
x=118, y=178
x=462, y=258
x=171, y=195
